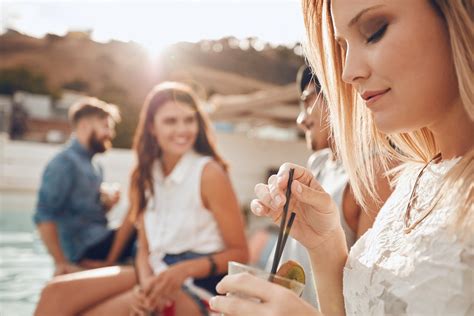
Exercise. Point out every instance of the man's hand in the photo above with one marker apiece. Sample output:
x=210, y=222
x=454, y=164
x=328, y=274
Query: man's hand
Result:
x=109, y=195
x=65, y=268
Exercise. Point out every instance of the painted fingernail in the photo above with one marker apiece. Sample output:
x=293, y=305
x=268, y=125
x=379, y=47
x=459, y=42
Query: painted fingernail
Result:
x=277, y=200
x=299, y=189
x=258, y=209
x=212, y=302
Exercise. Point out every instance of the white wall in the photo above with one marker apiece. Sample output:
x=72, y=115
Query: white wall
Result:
x=22, y=163
x=37, y=105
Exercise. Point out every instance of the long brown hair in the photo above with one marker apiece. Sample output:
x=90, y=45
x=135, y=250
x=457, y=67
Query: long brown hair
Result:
x=147, y=149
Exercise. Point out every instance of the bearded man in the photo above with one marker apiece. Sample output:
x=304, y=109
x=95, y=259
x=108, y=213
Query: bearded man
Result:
x=71, y=207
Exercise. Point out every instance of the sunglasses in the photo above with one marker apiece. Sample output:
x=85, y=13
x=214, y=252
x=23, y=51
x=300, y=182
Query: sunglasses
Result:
x=305, y=95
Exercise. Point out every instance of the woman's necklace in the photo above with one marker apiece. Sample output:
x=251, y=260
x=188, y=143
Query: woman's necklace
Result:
x=409, y=227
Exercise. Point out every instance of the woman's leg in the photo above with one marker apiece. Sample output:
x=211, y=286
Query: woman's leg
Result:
x=76, y=292
x=121, y=305
x=185, y=305
x=117, y=306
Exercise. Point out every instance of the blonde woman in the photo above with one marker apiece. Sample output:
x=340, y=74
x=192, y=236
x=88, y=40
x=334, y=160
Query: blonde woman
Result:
x=398, y=71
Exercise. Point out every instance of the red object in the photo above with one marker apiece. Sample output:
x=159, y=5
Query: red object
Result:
x=169, y=310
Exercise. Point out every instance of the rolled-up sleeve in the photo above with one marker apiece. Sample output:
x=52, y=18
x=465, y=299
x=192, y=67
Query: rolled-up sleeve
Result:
x=55, y=186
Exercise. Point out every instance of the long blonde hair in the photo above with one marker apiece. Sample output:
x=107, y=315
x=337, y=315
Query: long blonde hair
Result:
x=358, y=142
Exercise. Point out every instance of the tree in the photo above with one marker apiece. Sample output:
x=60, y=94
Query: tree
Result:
x=77, y=85
x=22, y=78
x=115, y=94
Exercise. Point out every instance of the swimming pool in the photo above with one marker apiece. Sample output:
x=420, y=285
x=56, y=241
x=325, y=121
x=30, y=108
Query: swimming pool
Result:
x=25, y=265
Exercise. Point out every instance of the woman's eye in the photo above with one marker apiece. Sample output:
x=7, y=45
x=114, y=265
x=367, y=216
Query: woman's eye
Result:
x=169, y=121
x=378, y=34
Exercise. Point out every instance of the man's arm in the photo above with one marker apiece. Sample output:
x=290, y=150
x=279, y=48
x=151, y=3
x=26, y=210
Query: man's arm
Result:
x=56, y=184
x=49, y=235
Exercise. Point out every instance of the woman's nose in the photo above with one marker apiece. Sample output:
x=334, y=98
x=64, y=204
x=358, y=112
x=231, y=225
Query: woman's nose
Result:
x=355, y=67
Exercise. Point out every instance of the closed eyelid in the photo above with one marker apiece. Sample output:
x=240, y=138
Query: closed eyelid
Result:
x=372, y=24
x=169, y=120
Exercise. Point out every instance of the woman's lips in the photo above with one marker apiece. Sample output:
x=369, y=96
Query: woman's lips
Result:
x=371, y=97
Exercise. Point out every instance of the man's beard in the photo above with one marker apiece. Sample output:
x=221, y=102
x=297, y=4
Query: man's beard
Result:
x=97, y=145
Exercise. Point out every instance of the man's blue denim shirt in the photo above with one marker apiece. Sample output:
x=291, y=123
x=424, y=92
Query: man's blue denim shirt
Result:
x=70, y=197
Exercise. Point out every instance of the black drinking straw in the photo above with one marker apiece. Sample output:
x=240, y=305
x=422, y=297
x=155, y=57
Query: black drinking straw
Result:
x=279, y=249
x=286, y=233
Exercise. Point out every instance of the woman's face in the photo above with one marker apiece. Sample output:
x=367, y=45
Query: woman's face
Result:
x=398, y=58
x=175, y=127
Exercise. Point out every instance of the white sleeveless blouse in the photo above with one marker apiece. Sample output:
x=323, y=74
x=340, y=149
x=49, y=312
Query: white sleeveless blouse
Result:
x=176, y=220
x=429, y=271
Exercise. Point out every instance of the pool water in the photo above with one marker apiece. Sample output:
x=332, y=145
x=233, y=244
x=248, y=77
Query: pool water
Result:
x=25, y=265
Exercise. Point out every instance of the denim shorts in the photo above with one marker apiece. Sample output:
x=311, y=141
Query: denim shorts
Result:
x=208, y=283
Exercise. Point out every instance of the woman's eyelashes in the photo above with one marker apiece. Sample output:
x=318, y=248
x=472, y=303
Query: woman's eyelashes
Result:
x=377, y=35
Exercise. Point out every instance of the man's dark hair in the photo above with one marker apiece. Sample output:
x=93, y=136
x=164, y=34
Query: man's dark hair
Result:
x=305, y=77
x=88, y=107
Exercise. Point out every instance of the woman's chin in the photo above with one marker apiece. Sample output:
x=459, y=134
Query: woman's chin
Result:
x=388, y=125
x=179, y=150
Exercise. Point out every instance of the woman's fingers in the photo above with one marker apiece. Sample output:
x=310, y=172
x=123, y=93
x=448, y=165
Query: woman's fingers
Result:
x=246, y=295
x=236, y=306
x=318, y=199
x=301, y=173
x=238, y=286
x=138, y=306
x=138, y=311
x=268, y=194
x=155, y=299
x=258, y=208
x=247, y=285
x=261, y=210
x=277, y=192
x=263, y=194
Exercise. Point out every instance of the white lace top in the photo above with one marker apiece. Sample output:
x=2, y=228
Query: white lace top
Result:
x=429, y=271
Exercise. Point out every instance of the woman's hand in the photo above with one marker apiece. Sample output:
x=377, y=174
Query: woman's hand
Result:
x=139, y=306
x=65, y=268
x=274, y=300
x=317, y=216
x=160, y=289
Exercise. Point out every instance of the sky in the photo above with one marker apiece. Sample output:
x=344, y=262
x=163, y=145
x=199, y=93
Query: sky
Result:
x=156, y=24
